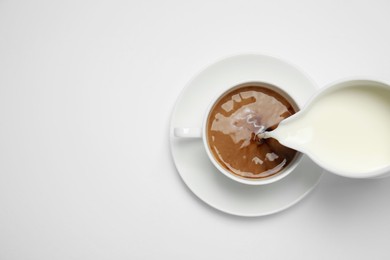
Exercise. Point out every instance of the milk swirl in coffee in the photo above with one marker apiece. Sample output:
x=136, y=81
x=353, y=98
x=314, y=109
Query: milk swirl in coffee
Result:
x=233, y=125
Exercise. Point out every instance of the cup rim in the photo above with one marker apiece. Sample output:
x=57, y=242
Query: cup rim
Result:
x=261, y=181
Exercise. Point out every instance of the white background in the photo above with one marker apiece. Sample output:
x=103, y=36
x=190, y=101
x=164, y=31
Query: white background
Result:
x=86, y=93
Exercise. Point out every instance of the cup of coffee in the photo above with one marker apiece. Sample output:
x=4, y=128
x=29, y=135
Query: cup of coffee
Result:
x=231, y=128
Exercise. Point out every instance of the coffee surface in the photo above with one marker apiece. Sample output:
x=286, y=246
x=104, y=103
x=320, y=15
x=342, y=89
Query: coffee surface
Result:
x=232, y=129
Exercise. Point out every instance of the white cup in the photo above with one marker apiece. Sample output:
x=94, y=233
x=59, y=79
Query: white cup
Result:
x=201, y=132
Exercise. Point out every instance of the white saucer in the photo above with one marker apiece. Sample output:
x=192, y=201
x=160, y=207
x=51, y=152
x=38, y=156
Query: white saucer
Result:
x=189, y=155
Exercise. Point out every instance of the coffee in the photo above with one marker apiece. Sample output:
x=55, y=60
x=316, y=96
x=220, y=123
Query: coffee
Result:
x=233, y=126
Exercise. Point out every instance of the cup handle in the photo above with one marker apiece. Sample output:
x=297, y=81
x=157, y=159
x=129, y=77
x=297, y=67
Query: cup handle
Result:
x=188, y=132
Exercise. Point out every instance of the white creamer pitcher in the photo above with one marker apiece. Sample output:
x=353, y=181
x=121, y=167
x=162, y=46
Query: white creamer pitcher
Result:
x=345, y=128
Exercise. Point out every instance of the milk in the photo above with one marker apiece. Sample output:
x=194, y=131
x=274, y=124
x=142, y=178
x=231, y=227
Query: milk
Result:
x=345, y=129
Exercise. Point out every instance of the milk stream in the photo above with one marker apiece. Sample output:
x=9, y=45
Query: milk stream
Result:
x=347, y=129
